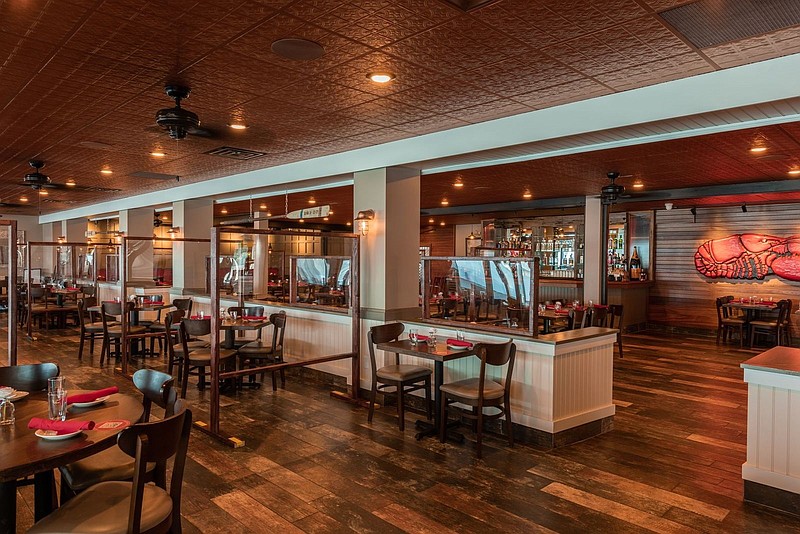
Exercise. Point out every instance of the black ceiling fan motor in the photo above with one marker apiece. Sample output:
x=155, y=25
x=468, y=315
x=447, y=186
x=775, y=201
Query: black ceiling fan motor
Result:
x=36, y=179
x=611, y=192
x=177, y=121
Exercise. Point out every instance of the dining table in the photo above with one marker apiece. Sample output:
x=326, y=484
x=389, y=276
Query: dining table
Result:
x=549, y=316
x=24, y=454
x=241, y=324
x=440, y=353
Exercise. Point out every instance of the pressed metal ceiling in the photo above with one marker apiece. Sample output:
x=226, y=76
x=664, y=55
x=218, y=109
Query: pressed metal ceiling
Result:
x=80, y=81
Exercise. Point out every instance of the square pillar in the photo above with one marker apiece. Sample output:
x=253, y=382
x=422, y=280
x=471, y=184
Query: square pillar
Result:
x=592, y=258
x=195, y=219
x=390, y=250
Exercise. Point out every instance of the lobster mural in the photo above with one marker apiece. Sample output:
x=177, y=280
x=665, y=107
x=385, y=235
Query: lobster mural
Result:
x=749, y=256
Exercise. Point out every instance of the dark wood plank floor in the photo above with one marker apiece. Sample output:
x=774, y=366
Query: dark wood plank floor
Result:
x=313, y=464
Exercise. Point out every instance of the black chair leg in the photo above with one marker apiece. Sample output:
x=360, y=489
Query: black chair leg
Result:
x=372, y=401
x=401, y=415
x=428, y=398
x=443, y=419
x=80, y=348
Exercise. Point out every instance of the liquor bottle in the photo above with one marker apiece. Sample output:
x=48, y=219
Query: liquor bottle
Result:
x=635, y=265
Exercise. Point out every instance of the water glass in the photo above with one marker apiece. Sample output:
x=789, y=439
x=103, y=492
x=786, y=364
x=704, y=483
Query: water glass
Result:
x=460, y=335
x=234, y=315
x=412, y=335
x=590, y=304
x=558, y=305
x=201, y=314
x=6, y=412
x=116, y=299
x=55, y=383
x=432, y=337
x=57, y=405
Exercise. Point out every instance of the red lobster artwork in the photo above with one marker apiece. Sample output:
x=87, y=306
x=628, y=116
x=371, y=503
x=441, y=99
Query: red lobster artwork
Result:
x=749, y=256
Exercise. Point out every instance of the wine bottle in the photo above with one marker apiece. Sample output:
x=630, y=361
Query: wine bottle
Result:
x=635, y=265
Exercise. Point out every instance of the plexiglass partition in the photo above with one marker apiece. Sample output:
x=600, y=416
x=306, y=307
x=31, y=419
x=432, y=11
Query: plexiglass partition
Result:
x=494, y=293
x=9, y=264
x=56, y=275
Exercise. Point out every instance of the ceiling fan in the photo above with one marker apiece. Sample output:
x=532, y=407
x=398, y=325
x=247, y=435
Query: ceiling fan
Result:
x=178, y=121
x=36, y=181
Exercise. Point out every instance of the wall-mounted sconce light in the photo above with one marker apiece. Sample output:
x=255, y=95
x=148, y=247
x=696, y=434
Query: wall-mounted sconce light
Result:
x=693, y=211
x=61, y=239
x=362, y=220
x=744, y=208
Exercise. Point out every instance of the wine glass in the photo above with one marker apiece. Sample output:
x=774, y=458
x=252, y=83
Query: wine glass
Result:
x=412, y=335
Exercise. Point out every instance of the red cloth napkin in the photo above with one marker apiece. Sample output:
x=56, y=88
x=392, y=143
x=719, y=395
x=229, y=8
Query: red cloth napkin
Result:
x=459, y=343
x=61, y=427
x=204, y=318
x=253, y=317
x=92, y=395
x=420, y=337
x=601, y=306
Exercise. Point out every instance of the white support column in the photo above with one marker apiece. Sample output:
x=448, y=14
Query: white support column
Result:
x=138, y=223
x=74, y=230
x=390, y=251
x=194, y=218
x=592, y=267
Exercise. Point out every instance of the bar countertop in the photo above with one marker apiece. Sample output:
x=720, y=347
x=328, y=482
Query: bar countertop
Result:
x=783, y=360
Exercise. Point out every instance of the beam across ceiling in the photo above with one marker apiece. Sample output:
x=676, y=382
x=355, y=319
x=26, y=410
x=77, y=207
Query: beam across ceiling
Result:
x=774, y=80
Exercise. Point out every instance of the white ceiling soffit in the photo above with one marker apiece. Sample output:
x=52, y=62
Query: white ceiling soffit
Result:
x=731, y=93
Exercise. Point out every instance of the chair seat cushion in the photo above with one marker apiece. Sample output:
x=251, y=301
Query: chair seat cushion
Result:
x=157, y=327
x=103, y=508
x=765, y=324
x=259, y=347
x=117, y=330
x=469, y=389
x=94, y=328
x=193, y=345
x=203, y=356
x=402, y=372
x=107, y=465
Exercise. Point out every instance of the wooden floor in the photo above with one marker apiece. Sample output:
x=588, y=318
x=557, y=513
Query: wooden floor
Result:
x=313, y=464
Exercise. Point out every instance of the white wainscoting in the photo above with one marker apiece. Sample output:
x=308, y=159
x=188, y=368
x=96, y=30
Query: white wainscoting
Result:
x=773, y=429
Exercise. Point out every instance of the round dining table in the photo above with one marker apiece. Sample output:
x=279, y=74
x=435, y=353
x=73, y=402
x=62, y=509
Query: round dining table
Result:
x=24, y=454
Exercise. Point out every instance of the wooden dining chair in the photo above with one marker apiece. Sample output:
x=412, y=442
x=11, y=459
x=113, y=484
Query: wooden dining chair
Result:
x=113, y=464
x=28, y=377
x=242, y=338
x=775, y=326
x=258, y=352
x=578, y=318
x=483, y=392
x=404, y=378
x=89, y=330
x=727, y=323
x=598, y=316
x=112, y=331
x=196, y=360
x=159, y=326
x=134, y=506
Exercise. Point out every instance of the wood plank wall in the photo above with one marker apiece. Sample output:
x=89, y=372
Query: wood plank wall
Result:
x=441, y=239
x=681, y=296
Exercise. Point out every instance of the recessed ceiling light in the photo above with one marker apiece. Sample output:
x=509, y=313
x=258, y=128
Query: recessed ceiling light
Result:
x=349, y=223
x=43, y=192
x=223, y=211
x=794, y=172
x=70, y=183
x=445, y=202
x=458, y=183
x=527, y=194
x=312, y=200
x=302, y=220
x=324, y=218
x=237, y=126
x=106, y=171
x=23, y=198
x=269, y=214
x=441, y=223
x=262, y=207
x=638, y=184
x=381, y=77
x=158, y=154
x=758, y=149
x=431, y=221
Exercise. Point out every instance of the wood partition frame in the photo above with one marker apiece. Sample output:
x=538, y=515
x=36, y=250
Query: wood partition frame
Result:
x=11, y=314
x=28, y=248
x=123, y=274
x=213, y=426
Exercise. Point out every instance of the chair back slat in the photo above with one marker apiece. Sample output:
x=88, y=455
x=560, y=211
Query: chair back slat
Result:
x=196, y=327
x=184, y=305
x=382, y=334
x=278, y=321
x=157, y=388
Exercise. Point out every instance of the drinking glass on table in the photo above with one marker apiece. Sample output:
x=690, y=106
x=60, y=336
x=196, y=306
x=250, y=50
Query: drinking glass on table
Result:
x=432, y=337
x=412, y=335
x=460, y=335
x=56, y=398
x=234, y=315
x=201, y=314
